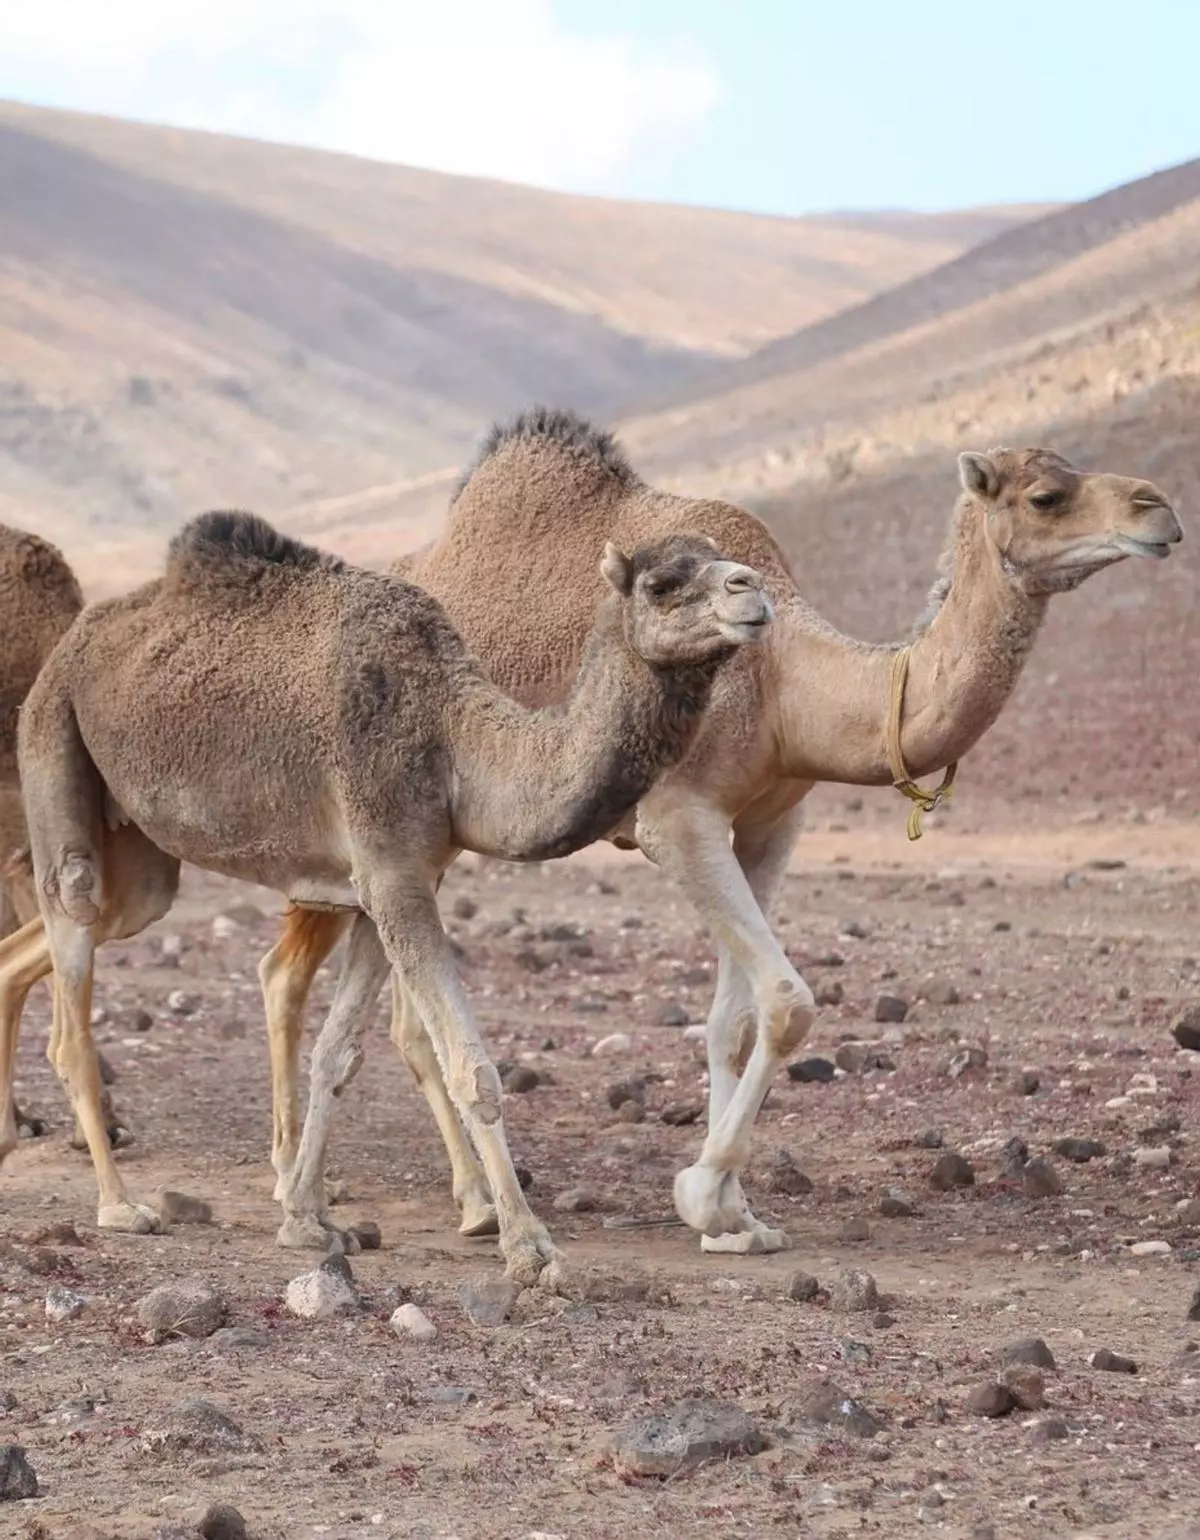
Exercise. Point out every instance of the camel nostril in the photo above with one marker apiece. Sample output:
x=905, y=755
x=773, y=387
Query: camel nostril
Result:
x=739, y=583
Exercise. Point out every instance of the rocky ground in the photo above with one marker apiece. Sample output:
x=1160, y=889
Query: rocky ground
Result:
x=986, y=1326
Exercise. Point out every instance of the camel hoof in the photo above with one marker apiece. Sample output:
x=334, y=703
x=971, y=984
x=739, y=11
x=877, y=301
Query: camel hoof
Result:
x=754, y=1242
x=305, y=1232
x=527, y=1257
x=478, y=1219
x=711, y=1201
x=132, y=1218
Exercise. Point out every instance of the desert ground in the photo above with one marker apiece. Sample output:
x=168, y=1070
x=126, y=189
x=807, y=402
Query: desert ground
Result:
x=1042, y=971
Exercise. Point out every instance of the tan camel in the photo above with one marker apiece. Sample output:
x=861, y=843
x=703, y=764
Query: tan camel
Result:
x=810, y=705
x=273, y=714
x=39, y=598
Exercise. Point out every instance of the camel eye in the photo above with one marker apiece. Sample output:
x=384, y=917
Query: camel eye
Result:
x=1045, y=501
x=659, y=588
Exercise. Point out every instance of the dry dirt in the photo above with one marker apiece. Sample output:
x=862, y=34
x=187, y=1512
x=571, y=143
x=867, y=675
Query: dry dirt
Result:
x=1066, y=967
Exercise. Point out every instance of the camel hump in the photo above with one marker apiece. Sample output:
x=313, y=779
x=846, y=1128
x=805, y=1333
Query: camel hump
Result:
x=229, y=541
x=30, y=559
x=558, y=429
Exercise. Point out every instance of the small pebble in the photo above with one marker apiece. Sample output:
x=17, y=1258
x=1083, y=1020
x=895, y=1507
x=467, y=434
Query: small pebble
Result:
x=672, y=1016
x=1113, y=1362
x=942, y=992
x=222, y=1521
x=18, y=1482
x=411, y=1321
x=855, y=1229
x=952, y=1170
x=1041, y=1179
x=367, y=1233
x=187, y=1308
x=803, y=1287
x=854, y=1290
x=891, y=1008
x=968, y=1061
x=895, y=1205
x=614, y=1043
x=1186, y=1029
x=786, y=1177
x=1079, y=1150
x=318, y=1295
x=1028, y=1386
x=180, y=1208
x=1048, y=1430
x=64, y=1305
x=1194, y=1308
x=180, y=1003
x=464, y=908
x=1154, y=1159
x=831, y=994
x=1150, y=1249
x=488, y=1301
x=1027, y=1082
x=576, y=1200
x=521, y=1078
x=990, y=1399
x=812, y=1071
x=931, y=1139
x=1029, y=1350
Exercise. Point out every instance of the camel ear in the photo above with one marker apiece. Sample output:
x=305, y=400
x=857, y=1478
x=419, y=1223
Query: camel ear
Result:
x=617, y=570
x=978, y=475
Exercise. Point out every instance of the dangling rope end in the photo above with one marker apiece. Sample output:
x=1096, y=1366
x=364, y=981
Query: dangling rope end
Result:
x=923, y=801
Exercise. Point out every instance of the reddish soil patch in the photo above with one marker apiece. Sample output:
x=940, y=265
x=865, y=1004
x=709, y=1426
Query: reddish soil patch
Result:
x=1065, y=969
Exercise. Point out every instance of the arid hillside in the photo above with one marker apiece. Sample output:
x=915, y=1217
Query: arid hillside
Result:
x=187, y=319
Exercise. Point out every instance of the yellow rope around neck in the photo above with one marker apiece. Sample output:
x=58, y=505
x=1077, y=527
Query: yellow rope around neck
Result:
x=925, y=801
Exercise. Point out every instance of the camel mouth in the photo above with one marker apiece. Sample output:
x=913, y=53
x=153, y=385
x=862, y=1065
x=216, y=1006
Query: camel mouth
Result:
x=745, y=630
x=1155, y=550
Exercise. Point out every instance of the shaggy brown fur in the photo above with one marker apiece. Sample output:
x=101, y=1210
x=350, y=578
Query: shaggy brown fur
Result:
x=811, y=705
x=39, y=598
x=269, y=712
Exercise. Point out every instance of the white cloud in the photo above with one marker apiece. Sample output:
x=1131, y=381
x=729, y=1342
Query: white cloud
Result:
x=491, y=87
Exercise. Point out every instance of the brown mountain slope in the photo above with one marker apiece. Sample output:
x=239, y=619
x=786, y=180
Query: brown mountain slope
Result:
x=797, y=408
x=188, y=319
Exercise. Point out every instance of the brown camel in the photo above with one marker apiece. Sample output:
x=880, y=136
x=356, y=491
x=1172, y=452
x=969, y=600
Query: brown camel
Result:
x=274, y=714
x=39, y=598
x=810, y=705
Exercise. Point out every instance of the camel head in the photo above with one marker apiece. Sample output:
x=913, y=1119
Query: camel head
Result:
x=682, y=603
x=1053, y=526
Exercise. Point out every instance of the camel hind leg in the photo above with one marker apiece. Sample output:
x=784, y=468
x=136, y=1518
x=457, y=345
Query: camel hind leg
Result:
x=24, y=959
x=286, y=974
x=471, y=1191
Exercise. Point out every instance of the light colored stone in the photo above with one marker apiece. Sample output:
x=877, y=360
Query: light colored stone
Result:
x=1150, y=1249
x=411, y=1321
x=64, y=1305
x=1153, y=1159
x=318, y=1295
x=615, y=1043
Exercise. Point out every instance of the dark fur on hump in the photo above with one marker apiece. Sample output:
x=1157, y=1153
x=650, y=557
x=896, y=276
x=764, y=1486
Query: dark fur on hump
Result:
x=567, y=431
x=229, y=541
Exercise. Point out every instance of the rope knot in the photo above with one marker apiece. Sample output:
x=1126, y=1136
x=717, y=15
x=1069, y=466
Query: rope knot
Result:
x=923, y=801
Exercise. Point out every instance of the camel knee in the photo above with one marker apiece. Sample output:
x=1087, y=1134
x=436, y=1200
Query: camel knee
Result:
x=476, y=1087
x=792, y=1015
x=335, y=1067
x=73, y=884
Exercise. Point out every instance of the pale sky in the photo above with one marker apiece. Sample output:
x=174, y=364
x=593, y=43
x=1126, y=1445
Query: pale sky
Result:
x=783, y=106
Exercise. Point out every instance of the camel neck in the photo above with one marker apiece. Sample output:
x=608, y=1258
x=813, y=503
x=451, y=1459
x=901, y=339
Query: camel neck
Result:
x=835, y=694
x=534, y=785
